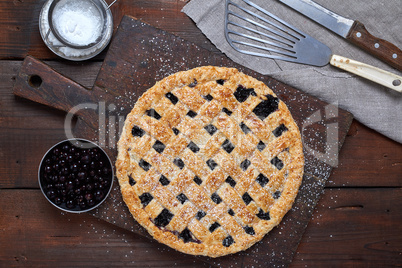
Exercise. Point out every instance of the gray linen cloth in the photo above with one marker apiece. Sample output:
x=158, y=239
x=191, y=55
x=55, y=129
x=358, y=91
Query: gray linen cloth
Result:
x=373, y=105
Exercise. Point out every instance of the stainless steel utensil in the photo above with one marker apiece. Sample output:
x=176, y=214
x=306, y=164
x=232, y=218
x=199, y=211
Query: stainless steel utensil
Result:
x=352, y=30
x=72, y=50
x=254, y=31
x=99, y=12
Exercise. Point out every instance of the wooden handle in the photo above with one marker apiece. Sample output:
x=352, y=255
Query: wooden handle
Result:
x=384, y=50
x=369, y=72
x=38, y=82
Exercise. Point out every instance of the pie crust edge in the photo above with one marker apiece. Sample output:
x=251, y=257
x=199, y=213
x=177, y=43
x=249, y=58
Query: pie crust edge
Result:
x=277, y=211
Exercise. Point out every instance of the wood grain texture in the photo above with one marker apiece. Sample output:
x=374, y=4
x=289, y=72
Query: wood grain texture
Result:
x=354, y=227
x=129, y=69
x=20, y=25
x=350, y=228
x=24, y=175
x=364, y=151
x=28, y=129
x=33, y=233
x=361, y=236
x=380, y=48
x=49, y=87
x=368, y=159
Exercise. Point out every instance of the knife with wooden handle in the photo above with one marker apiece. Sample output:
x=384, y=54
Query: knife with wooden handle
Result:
x=353, y=31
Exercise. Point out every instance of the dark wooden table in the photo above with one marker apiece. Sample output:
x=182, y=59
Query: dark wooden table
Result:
x=356, y=223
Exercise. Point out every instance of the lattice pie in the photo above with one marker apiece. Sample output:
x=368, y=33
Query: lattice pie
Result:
x=209, y=161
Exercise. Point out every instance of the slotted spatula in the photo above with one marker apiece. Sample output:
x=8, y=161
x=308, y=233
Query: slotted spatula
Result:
x=252, y=30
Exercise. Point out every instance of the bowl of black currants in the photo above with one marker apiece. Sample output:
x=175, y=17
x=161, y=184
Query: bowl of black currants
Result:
x=76, y=175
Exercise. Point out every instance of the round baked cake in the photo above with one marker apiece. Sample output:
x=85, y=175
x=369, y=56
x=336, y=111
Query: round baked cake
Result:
x=209, y=161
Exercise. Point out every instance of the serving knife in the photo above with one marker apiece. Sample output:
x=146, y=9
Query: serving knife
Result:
x=352, y=30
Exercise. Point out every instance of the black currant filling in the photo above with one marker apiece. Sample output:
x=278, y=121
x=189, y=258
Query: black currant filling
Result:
x=159, y=146
x=261, y=146
x=228, y=241
x=200, y=214
x=75, y=177
x=131, y=181
x=136, y=131
x=245, y=164
x=262, y=180
x=214, y=226
x=263, y=215
x=216, y=198
x=211, y=129
x=227, y=111
x=231, y=212
x=182, y=198
x=172, y=97
x=197, y=180
x=178, y=162
x=244, y=128
x=242, y=93
x=208, y=97
x=277, y=162
x=163, y=180
x=175, y=131
x=276, y=195
x=152, y=113
x=164, y=218
x=231, y=181
x=187, y=236
x=191, y=114
x=144, y=165
x=211, y=164
x=266, y=107
x=193, y=147
x=249, y=230
x=247, y=198
x=193, y=84
x=228, y=146
x=279, y=130
x=145, y=199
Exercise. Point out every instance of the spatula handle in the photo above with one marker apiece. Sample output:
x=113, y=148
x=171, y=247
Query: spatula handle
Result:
x=369, y=72
x=382, y=49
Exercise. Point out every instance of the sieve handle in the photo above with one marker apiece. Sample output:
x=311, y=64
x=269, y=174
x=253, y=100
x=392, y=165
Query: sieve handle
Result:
x=111, y=4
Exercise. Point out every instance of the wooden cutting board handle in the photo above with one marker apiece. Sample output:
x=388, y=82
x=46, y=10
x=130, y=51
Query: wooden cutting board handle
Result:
x=38, y=82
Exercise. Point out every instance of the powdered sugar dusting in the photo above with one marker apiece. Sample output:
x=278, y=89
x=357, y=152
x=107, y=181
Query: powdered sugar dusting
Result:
x=77, y=32
x=78, y=22
x=290, y=229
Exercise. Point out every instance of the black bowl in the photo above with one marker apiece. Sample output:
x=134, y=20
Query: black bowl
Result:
x=76, y=175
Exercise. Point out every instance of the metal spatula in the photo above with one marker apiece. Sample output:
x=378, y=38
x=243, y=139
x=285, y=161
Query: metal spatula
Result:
x=252, y=30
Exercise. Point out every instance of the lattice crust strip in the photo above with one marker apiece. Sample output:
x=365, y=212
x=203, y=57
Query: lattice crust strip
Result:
x=209, y=161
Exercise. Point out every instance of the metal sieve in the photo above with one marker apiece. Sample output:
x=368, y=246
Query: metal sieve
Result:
x=98, y=11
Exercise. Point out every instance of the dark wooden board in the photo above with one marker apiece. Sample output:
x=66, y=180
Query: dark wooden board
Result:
x=139, y=56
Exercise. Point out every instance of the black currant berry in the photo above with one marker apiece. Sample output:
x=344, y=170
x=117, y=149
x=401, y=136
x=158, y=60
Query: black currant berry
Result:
x=75, y=178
